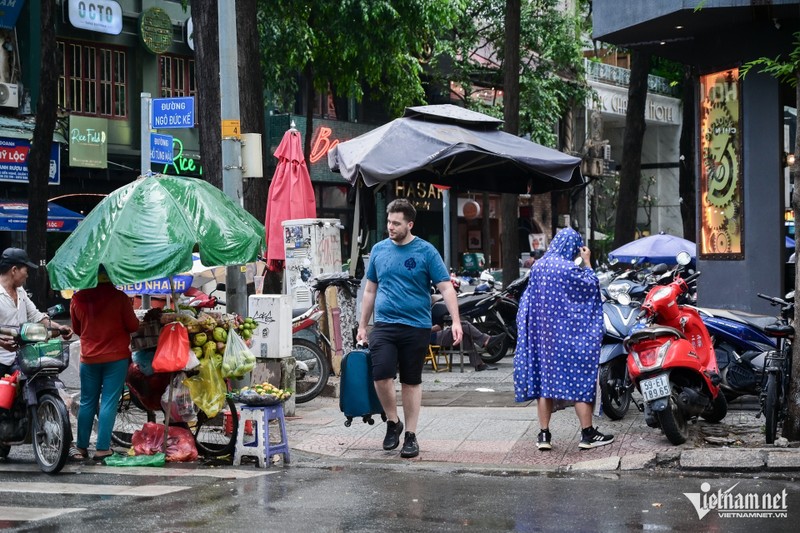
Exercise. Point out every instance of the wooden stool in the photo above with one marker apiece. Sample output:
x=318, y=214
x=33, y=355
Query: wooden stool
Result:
x=261, y=448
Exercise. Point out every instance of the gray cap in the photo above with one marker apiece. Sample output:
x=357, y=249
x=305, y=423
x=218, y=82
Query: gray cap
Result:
x=17, y=256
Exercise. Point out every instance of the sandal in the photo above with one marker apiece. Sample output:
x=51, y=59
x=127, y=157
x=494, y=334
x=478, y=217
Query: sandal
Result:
x=101, y=456
x=77, y=454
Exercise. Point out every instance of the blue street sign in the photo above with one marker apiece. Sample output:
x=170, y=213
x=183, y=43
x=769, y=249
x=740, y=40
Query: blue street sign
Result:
x=161, y=148
x=173, y=113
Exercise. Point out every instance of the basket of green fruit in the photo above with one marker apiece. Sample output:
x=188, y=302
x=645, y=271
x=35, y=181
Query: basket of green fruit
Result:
x=262, y=394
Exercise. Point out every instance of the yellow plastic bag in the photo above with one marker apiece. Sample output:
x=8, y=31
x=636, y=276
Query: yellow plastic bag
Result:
x=207, y=388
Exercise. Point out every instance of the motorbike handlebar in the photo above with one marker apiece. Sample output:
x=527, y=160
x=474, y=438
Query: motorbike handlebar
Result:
x=691, y=277
x=774, y=300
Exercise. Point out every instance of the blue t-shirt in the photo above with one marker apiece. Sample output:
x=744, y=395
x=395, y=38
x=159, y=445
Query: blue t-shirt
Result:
x=404, y=275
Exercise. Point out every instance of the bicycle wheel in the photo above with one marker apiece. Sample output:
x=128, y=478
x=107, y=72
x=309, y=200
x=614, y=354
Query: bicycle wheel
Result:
x=212, y=436
x=312, y=370
x=131, y=416
x=771, y=407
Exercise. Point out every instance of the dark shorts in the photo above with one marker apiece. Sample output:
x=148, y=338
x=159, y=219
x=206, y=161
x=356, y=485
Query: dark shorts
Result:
x=394, y=346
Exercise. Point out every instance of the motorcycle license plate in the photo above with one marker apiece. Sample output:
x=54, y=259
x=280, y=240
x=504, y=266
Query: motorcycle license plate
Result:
x=655, y=388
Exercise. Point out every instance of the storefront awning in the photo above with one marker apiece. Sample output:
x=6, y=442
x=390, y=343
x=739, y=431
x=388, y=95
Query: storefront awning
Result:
x=15, y=128
x=14, y=217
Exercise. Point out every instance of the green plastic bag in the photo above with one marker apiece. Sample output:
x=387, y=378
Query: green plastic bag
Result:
x=207, y=388
x=157, y=459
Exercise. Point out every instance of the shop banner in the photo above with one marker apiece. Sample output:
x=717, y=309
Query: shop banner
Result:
x=180, y=284
x=721, y=197
x=88, y=146
x=9, y=13
x=14, y=161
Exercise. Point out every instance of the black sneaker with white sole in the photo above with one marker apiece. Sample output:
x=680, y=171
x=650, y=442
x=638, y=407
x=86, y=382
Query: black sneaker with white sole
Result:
x=591, y=438
x=543, y=440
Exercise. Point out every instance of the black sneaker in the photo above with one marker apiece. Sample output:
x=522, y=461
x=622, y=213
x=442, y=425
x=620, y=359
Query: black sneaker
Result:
x=591, y=438
x=543, y=440
x=393, y=432
x=410, y=446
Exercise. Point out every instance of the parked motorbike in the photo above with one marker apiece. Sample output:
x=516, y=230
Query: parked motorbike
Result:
x=622, y=298
x=741, y=343
x=37, y=415
x=312, y=371
x=671, y=361
x=492, y=313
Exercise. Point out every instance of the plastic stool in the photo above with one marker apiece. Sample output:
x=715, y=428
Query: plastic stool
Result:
x=261, y=448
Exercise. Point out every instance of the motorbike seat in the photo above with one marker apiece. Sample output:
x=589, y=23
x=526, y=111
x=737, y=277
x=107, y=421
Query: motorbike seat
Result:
x=758, y=321
x=652, y=333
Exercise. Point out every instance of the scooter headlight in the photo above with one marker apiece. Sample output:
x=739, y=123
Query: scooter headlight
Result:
x=615, y=290
x=33, y=332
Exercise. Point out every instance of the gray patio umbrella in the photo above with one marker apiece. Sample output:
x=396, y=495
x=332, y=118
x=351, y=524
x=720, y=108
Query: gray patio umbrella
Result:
x=450, y=145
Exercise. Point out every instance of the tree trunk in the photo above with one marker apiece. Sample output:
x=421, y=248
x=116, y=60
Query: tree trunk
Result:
x=686, y=184
x=251, y=99
x=39, y=156
x=791, y=427
x=631, y=172
x=206, y=42
x=508, y=202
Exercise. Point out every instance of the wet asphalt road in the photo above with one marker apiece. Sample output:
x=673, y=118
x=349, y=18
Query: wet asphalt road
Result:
x=368, y=497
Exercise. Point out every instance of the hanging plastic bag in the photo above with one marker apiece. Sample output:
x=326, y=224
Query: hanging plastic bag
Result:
x=144, y=360
x=207, y=388
x=182, y=407
x=238, y=360
x=157, y=459
x=192, y=363
x=172, y=352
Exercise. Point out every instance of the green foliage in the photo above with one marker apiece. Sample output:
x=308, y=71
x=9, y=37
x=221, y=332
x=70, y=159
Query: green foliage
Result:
x=783, y=70
x=551, y=77
x=348, y=45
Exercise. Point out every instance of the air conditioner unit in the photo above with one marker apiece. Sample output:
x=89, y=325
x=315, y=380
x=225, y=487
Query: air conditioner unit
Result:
x=9, y=95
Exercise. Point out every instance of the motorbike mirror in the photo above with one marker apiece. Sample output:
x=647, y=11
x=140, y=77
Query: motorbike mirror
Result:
x=683, y=258
x=624, y=299
x=220, y=287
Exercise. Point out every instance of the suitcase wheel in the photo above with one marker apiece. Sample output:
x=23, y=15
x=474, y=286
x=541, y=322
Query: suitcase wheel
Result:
x=348, y=421
x=383, y=417
x=368, y=420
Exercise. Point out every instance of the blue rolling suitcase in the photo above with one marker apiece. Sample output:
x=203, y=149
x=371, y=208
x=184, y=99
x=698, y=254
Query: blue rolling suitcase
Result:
x=357, y=396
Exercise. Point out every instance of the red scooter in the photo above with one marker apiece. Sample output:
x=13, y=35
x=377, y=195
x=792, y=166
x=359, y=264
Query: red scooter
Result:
x=672, y=362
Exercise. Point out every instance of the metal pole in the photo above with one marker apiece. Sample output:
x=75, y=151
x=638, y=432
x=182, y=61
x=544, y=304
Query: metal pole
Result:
x=235, y=283
x=446, y=226
x=146, y=102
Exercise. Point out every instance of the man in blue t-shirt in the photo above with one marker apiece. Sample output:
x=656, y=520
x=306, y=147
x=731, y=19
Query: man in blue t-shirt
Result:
x=401, y=270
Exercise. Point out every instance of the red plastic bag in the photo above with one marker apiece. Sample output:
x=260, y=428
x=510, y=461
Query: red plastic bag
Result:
x=150, y=439
x=172, y=352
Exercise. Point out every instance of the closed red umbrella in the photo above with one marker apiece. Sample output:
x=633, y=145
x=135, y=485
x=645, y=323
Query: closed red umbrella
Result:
x=291, y=195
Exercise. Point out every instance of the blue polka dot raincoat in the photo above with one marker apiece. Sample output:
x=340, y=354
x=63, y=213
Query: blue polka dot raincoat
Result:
x=560, y=325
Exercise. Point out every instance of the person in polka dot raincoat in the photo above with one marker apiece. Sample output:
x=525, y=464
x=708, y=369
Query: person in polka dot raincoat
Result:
x=560, y=324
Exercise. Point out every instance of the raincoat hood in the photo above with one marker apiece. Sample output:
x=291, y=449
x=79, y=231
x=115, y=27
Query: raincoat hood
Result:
x=566, y=244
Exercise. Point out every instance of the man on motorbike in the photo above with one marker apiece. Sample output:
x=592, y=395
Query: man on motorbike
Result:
x=15, y=306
